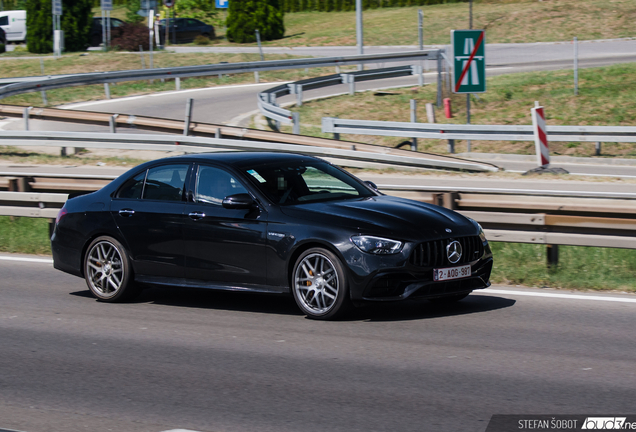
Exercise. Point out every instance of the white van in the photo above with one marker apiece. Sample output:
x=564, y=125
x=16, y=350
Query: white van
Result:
x=14, y=25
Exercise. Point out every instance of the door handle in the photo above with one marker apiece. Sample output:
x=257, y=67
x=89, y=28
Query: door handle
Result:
x=196, y=215
x=126, y=212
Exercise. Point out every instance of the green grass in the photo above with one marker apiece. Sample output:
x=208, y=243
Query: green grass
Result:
x=579, y=267
x=515, y=264
x=607, y=96
x=24, y=235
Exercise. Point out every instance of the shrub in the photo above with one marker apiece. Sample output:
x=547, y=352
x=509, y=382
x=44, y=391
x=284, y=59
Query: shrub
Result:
x=132, y=35
x=202, y=40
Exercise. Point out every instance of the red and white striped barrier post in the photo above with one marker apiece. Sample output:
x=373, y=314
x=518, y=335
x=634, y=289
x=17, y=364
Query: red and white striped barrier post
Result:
x=540, y=135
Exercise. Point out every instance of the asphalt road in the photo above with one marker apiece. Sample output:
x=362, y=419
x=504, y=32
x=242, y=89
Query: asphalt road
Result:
x=207, y=361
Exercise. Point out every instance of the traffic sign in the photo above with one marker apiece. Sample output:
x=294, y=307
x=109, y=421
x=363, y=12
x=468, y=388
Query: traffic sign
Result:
x=107, y=5
x=222, y=4
x=168, y=3
x=469, y=61
x=57, y=7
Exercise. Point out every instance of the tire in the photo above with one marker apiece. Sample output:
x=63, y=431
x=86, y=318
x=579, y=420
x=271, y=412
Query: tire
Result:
x=108, y=272
x=319, y=285
x=449, y=299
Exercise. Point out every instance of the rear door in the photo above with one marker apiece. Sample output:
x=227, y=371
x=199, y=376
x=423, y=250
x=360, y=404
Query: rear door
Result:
x=223, y=246
x=149, y=210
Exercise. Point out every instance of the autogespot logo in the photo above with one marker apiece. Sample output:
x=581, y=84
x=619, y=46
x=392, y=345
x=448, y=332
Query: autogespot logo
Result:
x=605, y=423
x=454, y=251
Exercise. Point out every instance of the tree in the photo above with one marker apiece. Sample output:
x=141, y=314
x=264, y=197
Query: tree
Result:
x=132, y=7
x=76, y=23
x=203, y=10
x=246, y=16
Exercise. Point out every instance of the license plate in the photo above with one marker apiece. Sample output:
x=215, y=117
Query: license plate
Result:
x=451, y=273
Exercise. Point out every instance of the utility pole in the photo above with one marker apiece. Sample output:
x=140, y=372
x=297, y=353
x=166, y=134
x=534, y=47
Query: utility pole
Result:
x=359, y=30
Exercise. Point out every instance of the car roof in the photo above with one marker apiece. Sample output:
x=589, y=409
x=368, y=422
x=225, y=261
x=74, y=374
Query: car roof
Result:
x=241, y=158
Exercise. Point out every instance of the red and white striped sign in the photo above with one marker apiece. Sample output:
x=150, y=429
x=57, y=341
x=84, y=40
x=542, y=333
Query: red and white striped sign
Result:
x=540, y=136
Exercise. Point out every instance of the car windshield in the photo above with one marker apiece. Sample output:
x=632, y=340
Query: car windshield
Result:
x=300, y=183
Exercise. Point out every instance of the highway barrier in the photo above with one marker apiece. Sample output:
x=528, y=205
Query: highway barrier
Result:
x=538, y=217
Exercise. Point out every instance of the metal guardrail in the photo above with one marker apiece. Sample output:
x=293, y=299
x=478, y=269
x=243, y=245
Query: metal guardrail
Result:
x=266, y=100
x=173, y=143
x=546, y=219
x=478, y=132
x=28, y=84
x=221, y=131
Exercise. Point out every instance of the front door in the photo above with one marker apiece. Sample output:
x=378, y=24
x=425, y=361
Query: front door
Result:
x=223, y=247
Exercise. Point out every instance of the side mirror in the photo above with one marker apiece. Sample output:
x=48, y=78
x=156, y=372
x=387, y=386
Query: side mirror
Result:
x=238, y=201
x=371, y=185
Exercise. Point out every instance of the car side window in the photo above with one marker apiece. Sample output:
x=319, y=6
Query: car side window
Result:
x=214, y=184
x=4, y=20
x=165, y=183
x=193, y=23
x=133, y=188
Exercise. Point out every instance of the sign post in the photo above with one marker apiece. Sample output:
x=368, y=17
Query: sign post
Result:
x=469, y=65
x=58, y=34
x=106, y=6
x=469, y=61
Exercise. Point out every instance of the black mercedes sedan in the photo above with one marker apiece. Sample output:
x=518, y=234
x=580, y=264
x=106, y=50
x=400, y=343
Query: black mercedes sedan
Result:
x=267, y=222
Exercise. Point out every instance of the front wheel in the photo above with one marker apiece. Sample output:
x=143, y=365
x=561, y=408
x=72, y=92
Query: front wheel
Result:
x=108, y=272
x=319, y=285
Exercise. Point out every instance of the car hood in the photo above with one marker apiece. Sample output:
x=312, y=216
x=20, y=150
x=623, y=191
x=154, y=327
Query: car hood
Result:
x=386, y=215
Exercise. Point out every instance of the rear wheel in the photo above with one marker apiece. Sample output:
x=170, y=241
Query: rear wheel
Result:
x=319, y=285
x=108, y=272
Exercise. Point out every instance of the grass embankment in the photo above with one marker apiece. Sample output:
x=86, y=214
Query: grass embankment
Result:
x=506, y=21
x=24, y=235
x=515, y=264
x=607, y=96
x=113, y=61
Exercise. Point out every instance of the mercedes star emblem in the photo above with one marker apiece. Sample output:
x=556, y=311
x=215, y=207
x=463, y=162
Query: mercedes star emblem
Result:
x=454, y=251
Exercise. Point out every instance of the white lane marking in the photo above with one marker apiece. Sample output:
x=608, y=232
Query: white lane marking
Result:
x=24, y=259
x=180, y=430
x=561, y=296
x=168, y=93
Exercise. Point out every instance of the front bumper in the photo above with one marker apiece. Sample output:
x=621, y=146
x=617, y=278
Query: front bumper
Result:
x=393, y=278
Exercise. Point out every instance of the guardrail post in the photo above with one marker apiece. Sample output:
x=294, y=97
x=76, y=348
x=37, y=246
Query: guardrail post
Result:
x=19, y=184
x=419, y=71
x=296, y=123
x=107, y=90
x=299, y=95
x=256, y=77
x=449, y=200
x=351, y=80
x=177, y=83
x=598, y=148
x=413, y=120
x=25, y=115
x=552, y=252
x=439, y=81
x=188, y=115
x=430, y=113
x=217, y=133
x=451, y=146
x=45, y=101
x=112, y=122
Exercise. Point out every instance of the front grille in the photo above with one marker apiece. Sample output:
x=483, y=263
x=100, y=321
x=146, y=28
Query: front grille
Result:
x=433, y=253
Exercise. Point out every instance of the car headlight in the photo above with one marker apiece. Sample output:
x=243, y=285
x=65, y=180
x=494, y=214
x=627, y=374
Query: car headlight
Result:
x=482, y=236
x=377, y=245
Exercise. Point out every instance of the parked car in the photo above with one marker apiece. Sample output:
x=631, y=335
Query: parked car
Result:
x=267, y=222
x=3, y=37
x=14, y=25
x=186, y=29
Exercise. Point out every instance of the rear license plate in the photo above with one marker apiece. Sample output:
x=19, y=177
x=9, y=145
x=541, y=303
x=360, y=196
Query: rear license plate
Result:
x=451, y=273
